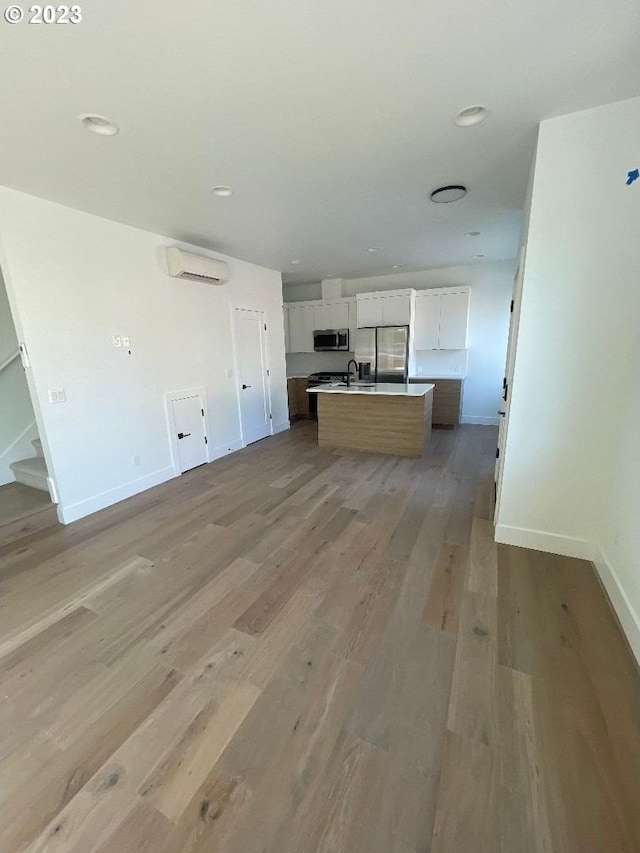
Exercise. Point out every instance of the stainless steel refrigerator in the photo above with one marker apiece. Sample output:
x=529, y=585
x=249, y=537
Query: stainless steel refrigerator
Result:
x=386, y=348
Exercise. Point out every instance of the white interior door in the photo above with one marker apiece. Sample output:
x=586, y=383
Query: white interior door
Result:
x=253, y=375
x=189, y=425
x=503, y=426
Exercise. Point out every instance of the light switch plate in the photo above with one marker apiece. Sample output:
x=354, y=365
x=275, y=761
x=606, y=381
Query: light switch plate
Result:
x=117, y=341
x=125, y=341
x=57, y=395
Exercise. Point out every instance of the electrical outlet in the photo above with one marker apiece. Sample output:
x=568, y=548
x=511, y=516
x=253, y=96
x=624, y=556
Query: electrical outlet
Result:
x=117, y=341
x=136, y=460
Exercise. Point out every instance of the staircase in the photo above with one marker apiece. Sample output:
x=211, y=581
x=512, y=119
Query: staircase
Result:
x=33, y=471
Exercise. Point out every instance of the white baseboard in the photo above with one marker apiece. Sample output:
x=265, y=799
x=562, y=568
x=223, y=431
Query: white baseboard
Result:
x=225, y=449
x=539, y=540
x=20, y=448
x=476, y=419
x=627, y=617
x=72, y=512
x=281, y=427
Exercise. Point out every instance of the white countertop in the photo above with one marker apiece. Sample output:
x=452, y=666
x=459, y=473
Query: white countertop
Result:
x=393, y=389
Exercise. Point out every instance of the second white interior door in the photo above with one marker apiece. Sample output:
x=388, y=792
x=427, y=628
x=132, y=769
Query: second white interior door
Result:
x=253, y=378
x=188, y=417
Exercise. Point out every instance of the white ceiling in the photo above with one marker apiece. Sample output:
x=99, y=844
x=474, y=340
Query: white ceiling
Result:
x=332, y=120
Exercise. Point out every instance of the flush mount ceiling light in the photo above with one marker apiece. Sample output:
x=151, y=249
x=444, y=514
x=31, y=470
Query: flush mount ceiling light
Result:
x=472, y=234
x=296, y=261
x=445, y=195
x=222, y=192
x=99, y=125
x=478, y=256
x=470, y=116
x=397, y=267
x=374, y=249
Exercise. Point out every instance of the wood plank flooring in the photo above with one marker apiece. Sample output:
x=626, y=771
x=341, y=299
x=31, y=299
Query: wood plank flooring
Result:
x=294, y=650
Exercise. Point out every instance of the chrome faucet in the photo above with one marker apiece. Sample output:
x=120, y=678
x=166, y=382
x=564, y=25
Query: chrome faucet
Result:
x=349, y=363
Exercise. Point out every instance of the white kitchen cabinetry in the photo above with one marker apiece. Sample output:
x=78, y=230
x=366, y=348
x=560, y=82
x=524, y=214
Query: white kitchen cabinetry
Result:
x=441, y=319
x=322, y=316
x=303, y=318
x=387, y=308
x=396, y=310
x=301, y=326
x=339, y=315
x=369, y=312
x=454, y=314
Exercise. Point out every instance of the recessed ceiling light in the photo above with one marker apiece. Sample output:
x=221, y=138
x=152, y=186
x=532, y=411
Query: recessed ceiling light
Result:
x=470, y=116
x=397, y=266
x=374, y=249
x=472, y=234
x=222, y=192
x=445, y=195
x=478, y=256
x=99, y=125
x=296, y=261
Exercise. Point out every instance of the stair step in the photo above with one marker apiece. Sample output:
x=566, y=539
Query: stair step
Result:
x=32, y=472
x=37, y=446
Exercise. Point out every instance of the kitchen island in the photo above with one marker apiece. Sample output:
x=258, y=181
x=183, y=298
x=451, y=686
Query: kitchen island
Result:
x=383, y=418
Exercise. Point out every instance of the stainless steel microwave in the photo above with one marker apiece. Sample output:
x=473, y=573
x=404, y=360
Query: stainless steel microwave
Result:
x=331, y=340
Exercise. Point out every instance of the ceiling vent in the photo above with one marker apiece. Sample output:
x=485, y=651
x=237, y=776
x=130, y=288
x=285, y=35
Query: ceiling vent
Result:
x=196, y=267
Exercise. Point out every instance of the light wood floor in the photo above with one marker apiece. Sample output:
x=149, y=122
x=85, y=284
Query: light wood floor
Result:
x=295, y=651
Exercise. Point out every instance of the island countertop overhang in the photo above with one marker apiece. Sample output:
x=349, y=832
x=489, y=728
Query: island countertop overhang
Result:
x=390, y=389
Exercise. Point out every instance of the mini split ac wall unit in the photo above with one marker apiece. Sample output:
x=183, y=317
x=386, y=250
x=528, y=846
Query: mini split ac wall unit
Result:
x=196, y=267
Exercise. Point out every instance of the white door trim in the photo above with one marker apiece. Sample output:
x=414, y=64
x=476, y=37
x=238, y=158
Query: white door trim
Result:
x=505, y=406
x=169, y=397
x=265, y=345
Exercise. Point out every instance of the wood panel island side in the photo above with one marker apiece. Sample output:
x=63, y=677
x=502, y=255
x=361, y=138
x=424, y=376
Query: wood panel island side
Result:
x=381, y=418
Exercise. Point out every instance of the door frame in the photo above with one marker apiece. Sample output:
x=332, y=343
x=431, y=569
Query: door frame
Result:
x=505, y=404
x=169, y=398
x=264, y=341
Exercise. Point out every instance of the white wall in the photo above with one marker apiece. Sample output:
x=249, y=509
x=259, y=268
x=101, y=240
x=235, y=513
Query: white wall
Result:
x=491, y=285
x=571, y=479
x=17, y=420
x=76, y=280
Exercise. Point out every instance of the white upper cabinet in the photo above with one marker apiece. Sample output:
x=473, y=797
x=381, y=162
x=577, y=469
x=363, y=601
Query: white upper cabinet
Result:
x=303, y=318
x=396, y=310
x=369, y=312
x=454, y=313
x=301, y=326
x=339, y=315
x=386, y=308
x=322, y=317
x=426, y=333
x=441, y=319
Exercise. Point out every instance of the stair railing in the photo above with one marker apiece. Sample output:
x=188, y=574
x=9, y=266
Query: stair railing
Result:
x=8, y=361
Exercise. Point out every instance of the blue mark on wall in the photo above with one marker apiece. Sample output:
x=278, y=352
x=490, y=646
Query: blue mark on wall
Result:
x=632, y=176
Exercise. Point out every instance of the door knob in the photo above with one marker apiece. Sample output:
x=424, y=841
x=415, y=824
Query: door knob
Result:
x=245, y=386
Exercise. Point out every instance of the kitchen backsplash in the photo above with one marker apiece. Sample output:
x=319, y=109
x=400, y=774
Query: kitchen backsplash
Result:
x=304, y=363
x=440, y=361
